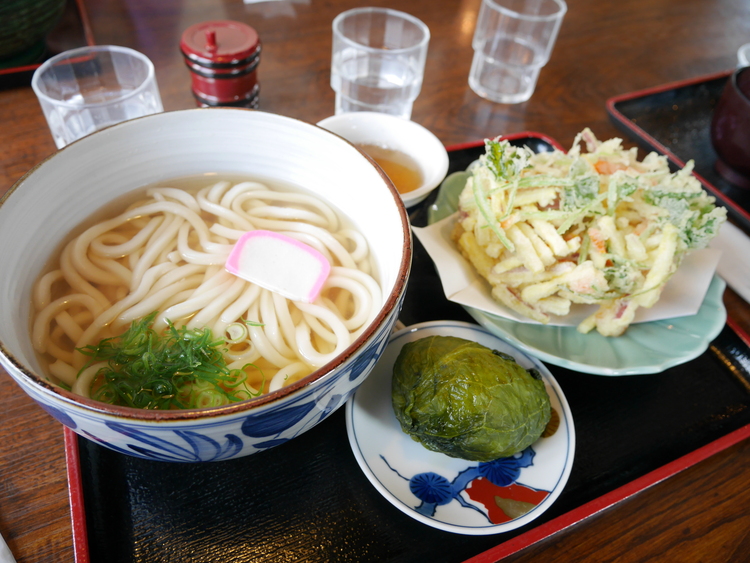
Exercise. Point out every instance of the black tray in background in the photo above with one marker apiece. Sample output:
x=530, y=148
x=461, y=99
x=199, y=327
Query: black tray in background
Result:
x=308, y=500
x=675, y=120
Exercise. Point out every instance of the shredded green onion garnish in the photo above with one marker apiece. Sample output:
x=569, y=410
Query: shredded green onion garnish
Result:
x=182, y=368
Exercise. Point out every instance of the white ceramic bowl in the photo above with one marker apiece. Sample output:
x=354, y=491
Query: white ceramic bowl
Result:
x=396, y=134
x=53, y=198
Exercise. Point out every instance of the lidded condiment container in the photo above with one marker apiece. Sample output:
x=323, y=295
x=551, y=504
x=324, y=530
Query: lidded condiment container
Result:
x=223, y=58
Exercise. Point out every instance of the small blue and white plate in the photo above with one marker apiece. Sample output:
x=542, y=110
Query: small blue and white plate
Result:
x=452, y=494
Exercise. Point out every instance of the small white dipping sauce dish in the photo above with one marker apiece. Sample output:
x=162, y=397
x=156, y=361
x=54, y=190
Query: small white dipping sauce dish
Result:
x=414, y=158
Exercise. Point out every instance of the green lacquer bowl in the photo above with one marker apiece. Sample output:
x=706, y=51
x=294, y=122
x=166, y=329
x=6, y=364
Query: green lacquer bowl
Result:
x=24, y=24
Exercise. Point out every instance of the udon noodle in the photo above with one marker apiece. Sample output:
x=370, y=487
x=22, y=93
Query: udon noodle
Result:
x=166, y=254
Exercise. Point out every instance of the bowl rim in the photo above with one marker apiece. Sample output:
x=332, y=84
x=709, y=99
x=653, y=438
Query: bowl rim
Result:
x=131, y=413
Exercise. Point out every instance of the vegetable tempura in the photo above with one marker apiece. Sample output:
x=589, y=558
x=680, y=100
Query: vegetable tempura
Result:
x=598, y=227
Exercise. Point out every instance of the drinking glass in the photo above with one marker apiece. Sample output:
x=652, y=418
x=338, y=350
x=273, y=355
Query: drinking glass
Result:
x=86, y=89
x=512, y=41
x=378, y=60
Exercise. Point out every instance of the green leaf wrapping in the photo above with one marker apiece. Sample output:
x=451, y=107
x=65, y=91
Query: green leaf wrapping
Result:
x=462, y=399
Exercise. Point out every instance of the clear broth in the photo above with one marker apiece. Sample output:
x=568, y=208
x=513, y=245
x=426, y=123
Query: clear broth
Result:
x=402, y=169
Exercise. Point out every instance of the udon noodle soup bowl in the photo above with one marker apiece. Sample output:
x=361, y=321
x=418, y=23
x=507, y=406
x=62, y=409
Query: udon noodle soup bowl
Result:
x=67, y=189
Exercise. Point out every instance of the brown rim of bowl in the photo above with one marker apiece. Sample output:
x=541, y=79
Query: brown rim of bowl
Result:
x=210, y=412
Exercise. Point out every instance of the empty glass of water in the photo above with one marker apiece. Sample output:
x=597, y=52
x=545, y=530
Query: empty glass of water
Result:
x=512, y=41
x=378, y=60
x=84, y=90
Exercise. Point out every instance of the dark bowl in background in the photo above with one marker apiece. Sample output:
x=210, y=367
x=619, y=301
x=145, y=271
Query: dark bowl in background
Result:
x=730, y=129
x=24, y=25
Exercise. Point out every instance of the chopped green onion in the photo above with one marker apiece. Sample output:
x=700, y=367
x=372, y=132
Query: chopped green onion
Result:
x=236, y=332
x=182, y=368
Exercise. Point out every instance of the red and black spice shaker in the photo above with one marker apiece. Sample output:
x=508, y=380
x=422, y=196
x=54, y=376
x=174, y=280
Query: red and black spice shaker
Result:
x=223, y=57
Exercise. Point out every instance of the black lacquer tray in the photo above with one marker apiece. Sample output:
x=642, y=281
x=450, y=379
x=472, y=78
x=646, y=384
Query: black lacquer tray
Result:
x=308, y=500
x=675, y=120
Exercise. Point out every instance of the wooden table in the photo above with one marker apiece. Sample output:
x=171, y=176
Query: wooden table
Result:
x=604, y=49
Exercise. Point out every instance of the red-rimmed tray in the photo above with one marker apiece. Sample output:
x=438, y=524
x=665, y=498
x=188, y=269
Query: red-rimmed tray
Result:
x=72, y=31
x=308, y=499
x=674, y=120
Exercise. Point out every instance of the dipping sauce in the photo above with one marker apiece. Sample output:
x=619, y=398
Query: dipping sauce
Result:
x=402, y=169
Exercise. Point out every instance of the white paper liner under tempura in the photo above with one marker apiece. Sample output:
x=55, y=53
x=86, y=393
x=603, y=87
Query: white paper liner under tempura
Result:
x=681, y=297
